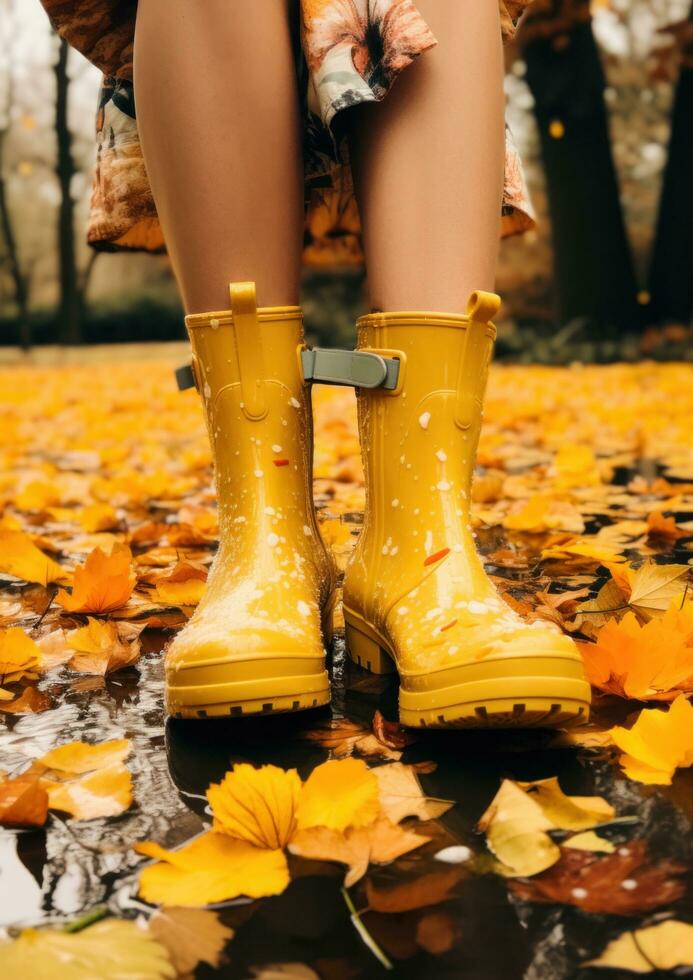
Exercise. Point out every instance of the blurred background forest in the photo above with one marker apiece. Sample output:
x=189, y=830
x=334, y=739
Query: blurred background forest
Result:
x=600, y=103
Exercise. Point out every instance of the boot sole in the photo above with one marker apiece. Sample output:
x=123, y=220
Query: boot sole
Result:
x=238, y=699
x=216, y=693
x=526, y=692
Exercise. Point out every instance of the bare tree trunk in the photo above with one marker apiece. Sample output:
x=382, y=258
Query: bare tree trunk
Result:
x=70, y=307
x=594, y=271
x=671, y=271
x=21, y=286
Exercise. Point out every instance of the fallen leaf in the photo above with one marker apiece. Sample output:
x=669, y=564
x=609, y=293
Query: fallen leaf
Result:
x=653, y=587
x=401, y=794
x=544, y=513
x=190, y=936
x=425, y=889
x=86, y=781
x=178, y=594
x=19, y=656
x=284, y=971
x=98, y=517
x=339, y=794
x=103, y=583
x=102, y=647
x=211, y=868
x=115, y=949
x=519, y=816
x=30, y=701
x=621, y=661
x=437, y=932
x=585, y=549
x=54, y=649
x=105, y=793
x=80, y=757
x=23, y=802
x=378, y=843
x=256, y=805
x=664, y=528
x=20, y=557
x=626, y=882
x=658, y=743
x=390, y=733
x=589, y=841
x=663, y=947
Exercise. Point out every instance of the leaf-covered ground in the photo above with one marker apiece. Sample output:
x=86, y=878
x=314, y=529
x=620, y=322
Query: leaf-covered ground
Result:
x=523, y=854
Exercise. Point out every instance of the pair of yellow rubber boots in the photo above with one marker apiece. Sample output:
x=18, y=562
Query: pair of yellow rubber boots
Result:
x=416, y=596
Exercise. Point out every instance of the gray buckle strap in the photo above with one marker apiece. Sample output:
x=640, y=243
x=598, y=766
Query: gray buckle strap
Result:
x=325, y=365
x=358, y=369
x=185, y=377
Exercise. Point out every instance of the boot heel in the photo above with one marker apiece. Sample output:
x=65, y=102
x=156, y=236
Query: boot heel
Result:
x=367, y=652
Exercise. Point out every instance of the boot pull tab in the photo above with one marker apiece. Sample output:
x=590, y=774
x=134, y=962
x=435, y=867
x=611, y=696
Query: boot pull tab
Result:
x=475, y=356
x=251, y=366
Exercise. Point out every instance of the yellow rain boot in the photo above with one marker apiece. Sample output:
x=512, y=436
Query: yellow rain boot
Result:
x=255, y=642
x=416, y=596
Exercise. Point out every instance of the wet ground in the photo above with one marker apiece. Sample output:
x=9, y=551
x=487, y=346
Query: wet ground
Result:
x=417, y=918
x=71, y=868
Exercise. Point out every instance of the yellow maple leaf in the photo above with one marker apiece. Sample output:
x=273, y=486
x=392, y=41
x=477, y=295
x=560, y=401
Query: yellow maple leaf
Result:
x=37, y=495
x=653, y=587
x=19, y=655
x=20, y=557
x=98, y=517
x=621, y=661
x=543, y=513
x=105, y=793
x=86, y=781
x=662, y=947
x=256, y=805
x=584, y=548
x=658, y=743
x=179, y=594
x=519, y=816
x=111, y=950
x=102, y=584
x=575, y=466
x=338, y=794
x=211, y=868
x=80, y=757
x=101, y=647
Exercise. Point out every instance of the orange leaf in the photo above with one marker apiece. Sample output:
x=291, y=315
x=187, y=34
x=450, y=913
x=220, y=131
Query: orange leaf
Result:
x=19, y=655
x=23, y=802
x=653, y=662
x=103, y=583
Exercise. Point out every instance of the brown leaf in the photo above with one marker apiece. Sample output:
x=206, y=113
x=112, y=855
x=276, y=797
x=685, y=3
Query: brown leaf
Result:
x=623, y=883
x=190, y=936
x=437, y=932
x=391, y=733
x=427, y=889
x=379, y=843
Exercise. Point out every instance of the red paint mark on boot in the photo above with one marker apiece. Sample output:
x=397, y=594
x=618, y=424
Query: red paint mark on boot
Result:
x=432, y=559
x=448, y=626
x=280, y=462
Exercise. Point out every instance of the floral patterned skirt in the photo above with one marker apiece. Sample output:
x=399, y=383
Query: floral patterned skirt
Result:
x=352, y=51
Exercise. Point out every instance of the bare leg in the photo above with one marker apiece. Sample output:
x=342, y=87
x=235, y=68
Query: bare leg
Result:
x=428, y=166
x=218, y=114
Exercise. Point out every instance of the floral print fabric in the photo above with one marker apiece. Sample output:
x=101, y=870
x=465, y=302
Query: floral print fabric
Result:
x=352, y=51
